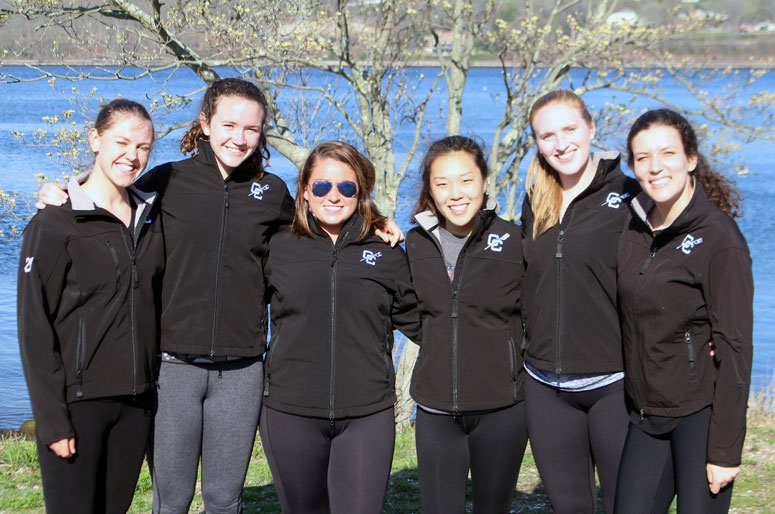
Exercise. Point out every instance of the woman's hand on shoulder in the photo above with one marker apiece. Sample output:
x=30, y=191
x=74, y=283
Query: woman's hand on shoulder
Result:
x=390, y=233
x=720, y=476
x=64, y=448
x=51, y=193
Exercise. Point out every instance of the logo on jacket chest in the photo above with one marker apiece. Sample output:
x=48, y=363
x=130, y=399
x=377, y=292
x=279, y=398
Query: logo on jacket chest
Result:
x=614, y=200
x=688, y=244
x=257, y=190
x=370, y=257
x=495, y=242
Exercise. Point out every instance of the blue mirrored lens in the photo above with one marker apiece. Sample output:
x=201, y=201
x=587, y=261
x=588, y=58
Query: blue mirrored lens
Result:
x=347, y=188
x=321, y=187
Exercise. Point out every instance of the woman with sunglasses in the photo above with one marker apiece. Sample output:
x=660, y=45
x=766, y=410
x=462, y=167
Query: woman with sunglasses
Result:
x=337, y=292
x=466, y=265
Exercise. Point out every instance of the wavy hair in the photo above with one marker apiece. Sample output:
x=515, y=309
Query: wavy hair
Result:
x=721, y=191
x=233, y=87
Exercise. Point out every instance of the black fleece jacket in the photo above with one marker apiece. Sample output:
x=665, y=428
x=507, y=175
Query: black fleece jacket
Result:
x=89, y=293
x=679, y=289
x=216, y=232
x=334, y=308
x=471, y=328
x=569, y=301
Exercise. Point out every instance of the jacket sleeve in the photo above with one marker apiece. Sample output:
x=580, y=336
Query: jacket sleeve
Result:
x=42, y=276
x=729, y=295
x=405, y=314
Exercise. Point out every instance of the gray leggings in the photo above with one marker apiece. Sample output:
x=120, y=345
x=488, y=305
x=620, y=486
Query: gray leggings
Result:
x=209, y=410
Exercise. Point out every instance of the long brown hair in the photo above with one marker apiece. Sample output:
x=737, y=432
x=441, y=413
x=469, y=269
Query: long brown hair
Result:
x=543, y=183
x=721, y=191
x=365, y=177
x=225, y=88
x=441, y=148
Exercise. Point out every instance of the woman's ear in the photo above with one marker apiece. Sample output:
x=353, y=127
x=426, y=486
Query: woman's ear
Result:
x=203, y=123
x=692, y=160
x=94, y=140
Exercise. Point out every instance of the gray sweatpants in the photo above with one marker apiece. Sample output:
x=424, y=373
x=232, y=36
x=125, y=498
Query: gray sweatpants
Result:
x=207, y=410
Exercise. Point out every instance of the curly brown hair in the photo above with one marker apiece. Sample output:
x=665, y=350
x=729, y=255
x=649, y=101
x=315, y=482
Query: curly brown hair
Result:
x=721, y=191
x=223, y=88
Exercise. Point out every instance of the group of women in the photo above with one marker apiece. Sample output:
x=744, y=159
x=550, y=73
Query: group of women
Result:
x=609, y=296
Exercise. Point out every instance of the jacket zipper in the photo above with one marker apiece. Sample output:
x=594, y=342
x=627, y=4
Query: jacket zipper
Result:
x=222, y=237
x=690, y=351
x=79, y=358
x=131, y=251
x=454, y=289
x=513, y=365
x=116, y=263
x=558, y=333
x=638, y=344
x=332, y=382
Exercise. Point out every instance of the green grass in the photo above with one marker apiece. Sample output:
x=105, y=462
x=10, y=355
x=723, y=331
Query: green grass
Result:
x=20, y=489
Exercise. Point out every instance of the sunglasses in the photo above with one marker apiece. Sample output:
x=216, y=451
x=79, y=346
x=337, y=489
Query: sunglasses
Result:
x=322, y=187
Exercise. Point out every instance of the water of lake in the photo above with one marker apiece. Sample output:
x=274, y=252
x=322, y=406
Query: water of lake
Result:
x=24, y=104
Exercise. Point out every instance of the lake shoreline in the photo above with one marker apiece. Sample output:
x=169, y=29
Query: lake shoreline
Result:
x=737, y=64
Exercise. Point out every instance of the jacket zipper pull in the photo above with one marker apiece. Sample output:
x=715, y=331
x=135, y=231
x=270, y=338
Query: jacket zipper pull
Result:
x=642, y=413
x=558, y=253
x=135, y=275
x=454, y=304
x=79, y=391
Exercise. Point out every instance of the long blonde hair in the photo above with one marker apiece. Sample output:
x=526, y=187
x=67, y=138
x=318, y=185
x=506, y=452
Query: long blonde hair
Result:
x=543, y=183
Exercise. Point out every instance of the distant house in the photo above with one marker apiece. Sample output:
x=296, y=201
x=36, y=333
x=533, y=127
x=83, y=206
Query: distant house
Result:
x=445, y=42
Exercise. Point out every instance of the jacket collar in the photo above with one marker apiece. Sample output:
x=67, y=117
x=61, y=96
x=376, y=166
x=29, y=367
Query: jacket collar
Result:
x=83, y=205
x=207, y=156
x=429, y=222
x=350, y=229
x=688, y=218
x=606, y=164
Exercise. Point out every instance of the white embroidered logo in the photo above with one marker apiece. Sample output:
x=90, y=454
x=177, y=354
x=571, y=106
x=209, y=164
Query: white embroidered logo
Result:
x=257, y=190
x=495, y=242
x=688, y=244
x=370, y=257
x=28, y=264
x=614, y=200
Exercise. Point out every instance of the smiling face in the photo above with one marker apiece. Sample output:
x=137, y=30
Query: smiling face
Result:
x=234, y=131
x=662, y=168
x=564, y=139
x=122, y=149
x=333, y=209
x=457, y=189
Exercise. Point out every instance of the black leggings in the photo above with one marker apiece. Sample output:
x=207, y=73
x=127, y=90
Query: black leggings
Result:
x=110, y=439
x=647, y=456
x=491, y=445
x=571, y=433
x=317, y=464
